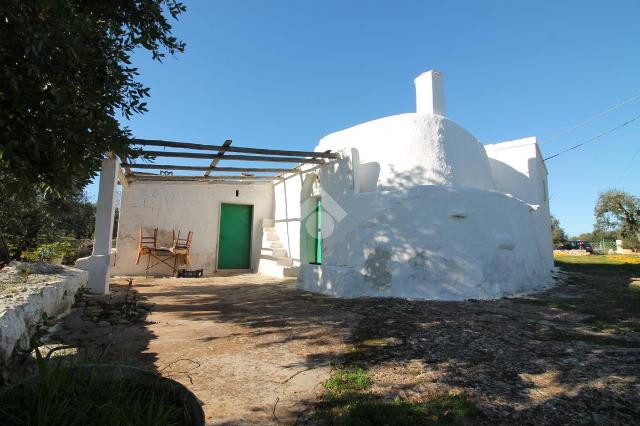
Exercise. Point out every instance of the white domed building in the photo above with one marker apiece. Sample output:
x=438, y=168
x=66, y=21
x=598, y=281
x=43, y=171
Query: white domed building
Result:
x=410, y=206
x=418, y=208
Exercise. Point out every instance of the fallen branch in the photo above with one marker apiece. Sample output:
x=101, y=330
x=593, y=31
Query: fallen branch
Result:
x=273, y=410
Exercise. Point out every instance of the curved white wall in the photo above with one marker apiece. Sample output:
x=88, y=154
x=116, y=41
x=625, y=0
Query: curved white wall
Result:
x=430, y=242
x=417, y=149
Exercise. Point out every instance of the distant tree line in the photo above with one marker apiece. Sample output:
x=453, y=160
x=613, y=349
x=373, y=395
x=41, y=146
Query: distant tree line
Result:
x=31, y=217
x=617, y=215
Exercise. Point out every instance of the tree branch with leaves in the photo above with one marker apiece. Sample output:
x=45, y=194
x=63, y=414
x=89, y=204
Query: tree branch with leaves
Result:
x=65, y=76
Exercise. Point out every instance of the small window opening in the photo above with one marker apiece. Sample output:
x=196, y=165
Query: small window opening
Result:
x=237, y=192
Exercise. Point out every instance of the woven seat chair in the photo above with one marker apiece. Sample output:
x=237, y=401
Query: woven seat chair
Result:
x=181, y=247
x=147, y=243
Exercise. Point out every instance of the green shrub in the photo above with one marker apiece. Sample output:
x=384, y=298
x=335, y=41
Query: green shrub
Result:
x=62, y=395
x=49, y=252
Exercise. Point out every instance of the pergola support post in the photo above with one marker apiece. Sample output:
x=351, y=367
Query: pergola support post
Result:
x=99, y=263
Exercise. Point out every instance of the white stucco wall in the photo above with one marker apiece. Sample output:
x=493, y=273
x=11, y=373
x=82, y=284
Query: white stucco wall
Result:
x=519, y=170
x=48, y=296
x=516, y=169
x=287, y=213
x=416, y=149
x=186, y=207
x=427, y=241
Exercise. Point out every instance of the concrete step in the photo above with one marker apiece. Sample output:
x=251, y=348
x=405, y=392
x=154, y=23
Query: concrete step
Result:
x=272, y=237
x=268, y=223
x=290, y=271
x=280, y=252
x=284, y=261
x=276, y=244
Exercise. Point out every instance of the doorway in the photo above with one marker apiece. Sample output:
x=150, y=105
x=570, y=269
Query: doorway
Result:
x=313, y=229
x=234, y=240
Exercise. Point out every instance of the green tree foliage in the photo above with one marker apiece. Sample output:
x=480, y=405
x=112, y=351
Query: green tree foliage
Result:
x=557, y=233
x=619, y=211
x=29, y=217
x=65, y=75
x=597, y=235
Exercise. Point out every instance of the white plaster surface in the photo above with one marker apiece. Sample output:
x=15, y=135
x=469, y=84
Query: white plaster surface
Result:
x=98, y=267
x=416, y=149
x=518, y=169
x=52, y=294
x=430, y=93
x=416, y=244
x=191, y=206
x=98, y=264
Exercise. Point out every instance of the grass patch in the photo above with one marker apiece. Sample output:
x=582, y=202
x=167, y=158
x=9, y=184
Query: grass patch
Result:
x=63, y=395
x=349, y=379
x=366, y=409
x=347, y=401
x=415, y=372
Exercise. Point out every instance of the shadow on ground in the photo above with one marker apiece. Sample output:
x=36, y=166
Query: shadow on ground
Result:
x=262, y=348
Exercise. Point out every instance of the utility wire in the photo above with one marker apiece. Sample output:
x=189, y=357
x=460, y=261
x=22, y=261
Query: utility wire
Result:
x=589, y=120
x=626, y=169
x=626, y=123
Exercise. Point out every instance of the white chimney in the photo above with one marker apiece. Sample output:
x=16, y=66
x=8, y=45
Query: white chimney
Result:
x=430, y=93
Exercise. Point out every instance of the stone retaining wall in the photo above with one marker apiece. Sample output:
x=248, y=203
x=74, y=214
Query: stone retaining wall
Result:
x=41, y=296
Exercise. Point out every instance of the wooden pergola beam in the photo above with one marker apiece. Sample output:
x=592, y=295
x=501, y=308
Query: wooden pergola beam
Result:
x=216, y=160
x=122, y=177
x=245, y=150
x=162, y=178
x=206, y=168
x=235, y=157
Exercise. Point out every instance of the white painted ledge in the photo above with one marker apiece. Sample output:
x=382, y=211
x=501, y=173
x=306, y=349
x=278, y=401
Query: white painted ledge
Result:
x=20, y=314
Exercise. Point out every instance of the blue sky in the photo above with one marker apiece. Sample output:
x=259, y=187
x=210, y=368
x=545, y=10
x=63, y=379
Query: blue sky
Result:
x=282, y=74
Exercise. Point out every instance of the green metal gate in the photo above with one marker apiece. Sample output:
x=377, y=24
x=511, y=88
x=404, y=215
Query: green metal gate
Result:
x=234, y=243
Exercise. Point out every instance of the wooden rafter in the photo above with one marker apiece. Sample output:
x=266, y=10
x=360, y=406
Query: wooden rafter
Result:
x=221, y=152
x=217, y=153
x=245, y=150
x=177, y=154
x=161, y=178
x=153, y=166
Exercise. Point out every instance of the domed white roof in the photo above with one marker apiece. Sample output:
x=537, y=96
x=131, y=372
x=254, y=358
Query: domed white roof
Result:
x=422, y=148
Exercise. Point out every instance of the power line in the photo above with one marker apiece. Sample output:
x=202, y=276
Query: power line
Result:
x=626, y=123
x=589, y=120
x=624, y=172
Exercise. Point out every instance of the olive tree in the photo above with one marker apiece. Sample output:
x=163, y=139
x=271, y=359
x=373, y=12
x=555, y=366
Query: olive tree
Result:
x=558, y=234
x=65, y=77
x=619, y=211
x=32, y=217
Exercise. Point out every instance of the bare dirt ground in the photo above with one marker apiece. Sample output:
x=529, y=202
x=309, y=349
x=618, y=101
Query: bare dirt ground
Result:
x=257, y=351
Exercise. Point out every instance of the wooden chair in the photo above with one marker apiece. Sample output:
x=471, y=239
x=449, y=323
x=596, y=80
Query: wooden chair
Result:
x=169, y=256
x=147, y=243
x=180, y=249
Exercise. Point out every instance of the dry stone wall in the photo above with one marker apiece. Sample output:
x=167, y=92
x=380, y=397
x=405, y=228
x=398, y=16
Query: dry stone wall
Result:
x=31, y=295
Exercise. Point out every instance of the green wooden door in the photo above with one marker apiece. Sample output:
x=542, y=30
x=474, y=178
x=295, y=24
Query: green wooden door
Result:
x=313, y=240
x=319, y=233
x=234, y=244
